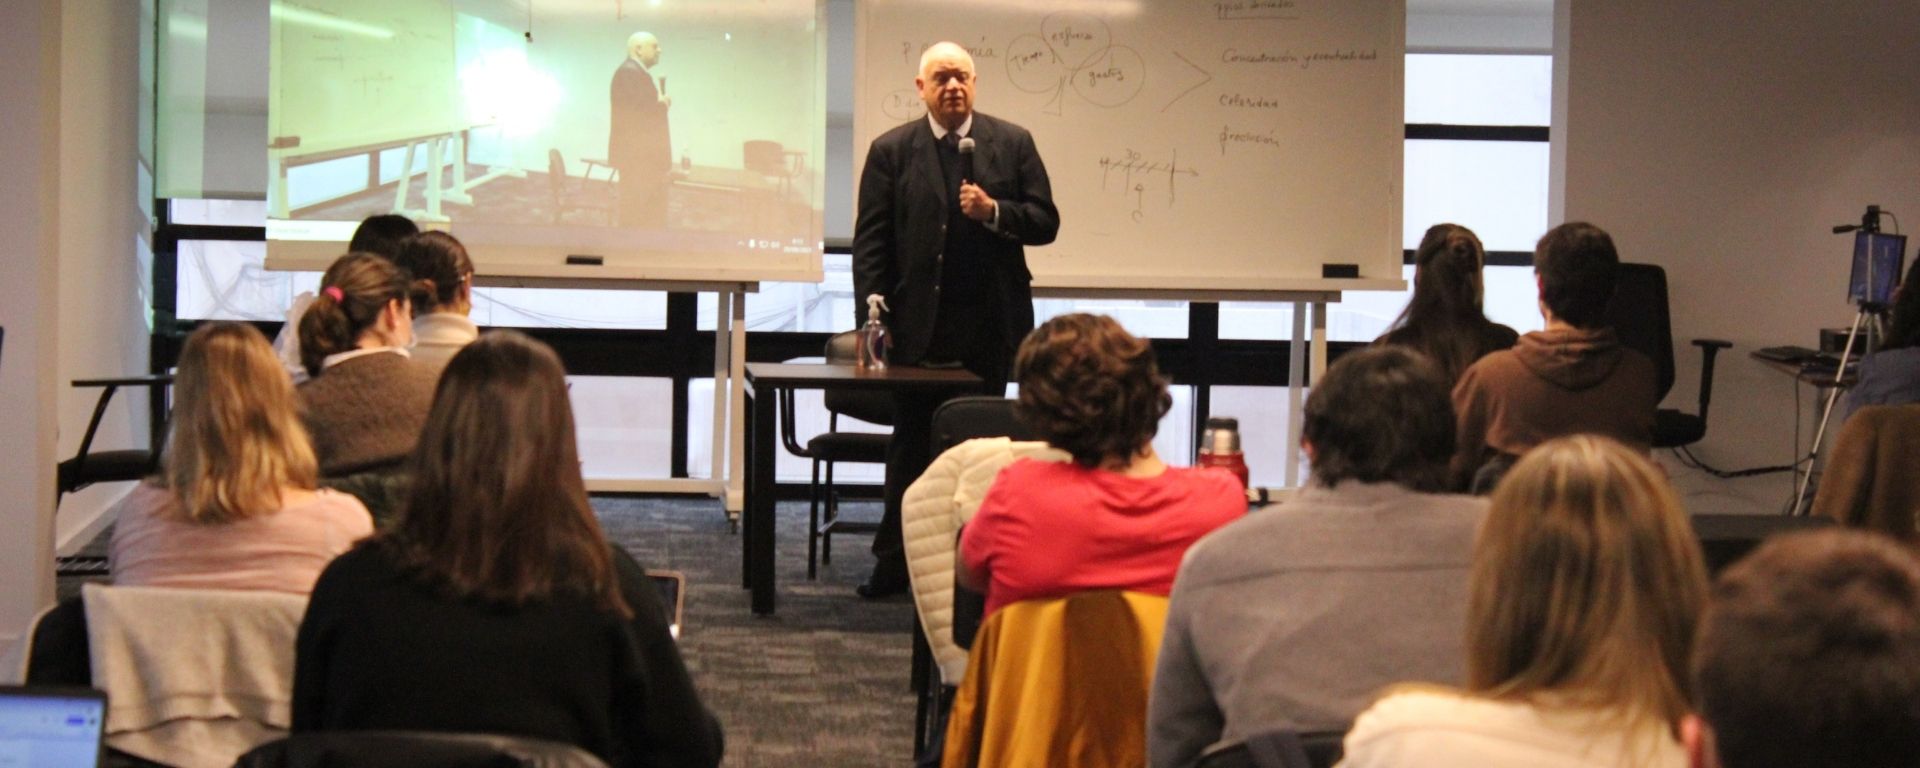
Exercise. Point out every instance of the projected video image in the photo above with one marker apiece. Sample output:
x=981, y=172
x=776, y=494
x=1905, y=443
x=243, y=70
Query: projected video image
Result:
x=600, y=126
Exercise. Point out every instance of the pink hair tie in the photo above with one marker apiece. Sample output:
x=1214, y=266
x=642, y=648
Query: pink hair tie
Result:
x=333, y=292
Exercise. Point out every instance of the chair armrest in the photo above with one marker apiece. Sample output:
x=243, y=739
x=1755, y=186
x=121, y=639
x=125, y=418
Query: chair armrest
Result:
x=1708, y=349
x=152, y=380
x=1712, y=344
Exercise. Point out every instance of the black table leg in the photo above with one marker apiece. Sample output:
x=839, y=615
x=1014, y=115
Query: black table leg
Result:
x=759, y=527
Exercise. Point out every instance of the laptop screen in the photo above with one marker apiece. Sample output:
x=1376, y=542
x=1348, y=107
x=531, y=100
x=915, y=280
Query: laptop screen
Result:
x=51, y=726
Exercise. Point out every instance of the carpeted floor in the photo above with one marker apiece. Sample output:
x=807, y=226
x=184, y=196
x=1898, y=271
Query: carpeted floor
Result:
x=822, y=683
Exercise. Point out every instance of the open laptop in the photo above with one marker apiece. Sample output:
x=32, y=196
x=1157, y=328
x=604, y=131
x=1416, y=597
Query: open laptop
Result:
x=672, y=586
x=42, y=726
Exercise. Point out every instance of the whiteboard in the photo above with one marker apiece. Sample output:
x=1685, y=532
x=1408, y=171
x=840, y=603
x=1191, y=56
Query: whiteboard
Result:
x=360, y=73
x=1239, y=144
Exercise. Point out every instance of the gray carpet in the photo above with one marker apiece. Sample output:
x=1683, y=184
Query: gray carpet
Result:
x=823, y=682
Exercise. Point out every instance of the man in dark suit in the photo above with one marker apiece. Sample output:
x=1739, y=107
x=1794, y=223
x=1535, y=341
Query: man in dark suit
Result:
x=941, y=236
x=638, y=142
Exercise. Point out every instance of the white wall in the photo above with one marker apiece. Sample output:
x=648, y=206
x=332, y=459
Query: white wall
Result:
x=104, y=281
x=72, y=283
x=30, y=144
x=1722, y=141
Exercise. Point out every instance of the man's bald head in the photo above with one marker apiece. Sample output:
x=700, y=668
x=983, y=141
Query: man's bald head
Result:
x=644, y=48
x=946, y=83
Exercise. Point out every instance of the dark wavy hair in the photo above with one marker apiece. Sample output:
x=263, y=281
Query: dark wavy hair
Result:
x=1090, y=388
x=1381, y=415
x=368, y=283
x=1808, y=654
x=1904, y=330
x=382, y=235
x=1578, y=270
x=498, y=511
x=1444, y=319
x=439, y=265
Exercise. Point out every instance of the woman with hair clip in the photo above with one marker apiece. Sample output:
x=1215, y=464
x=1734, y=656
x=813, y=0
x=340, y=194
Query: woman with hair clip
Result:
x=495, y=604
x=442, y=296
x=1444, y=319
x=235, y=505
x=1585, y=587
x=367, y=399
x=1890, y=375
x=1116, y=517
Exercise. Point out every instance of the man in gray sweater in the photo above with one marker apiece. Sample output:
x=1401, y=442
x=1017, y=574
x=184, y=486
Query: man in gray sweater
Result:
x=1296, y=617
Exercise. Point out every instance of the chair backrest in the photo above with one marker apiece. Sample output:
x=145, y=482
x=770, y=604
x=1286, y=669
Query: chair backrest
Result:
x=1281, y=749
x=1725, y=539
x=1639, y=315
x=965, y=418
x=1059, y=682
x=57, y=650
x=197, y=676
x=413, y=749
x=1869, y=480
x=873, y=407
x=954, y=422
x=766, y=158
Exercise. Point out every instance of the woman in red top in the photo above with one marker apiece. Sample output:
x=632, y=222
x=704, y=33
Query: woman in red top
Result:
x=1116, y=517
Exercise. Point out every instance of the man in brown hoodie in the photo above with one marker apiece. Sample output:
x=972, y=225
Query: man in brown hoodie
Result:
x=1574, y=377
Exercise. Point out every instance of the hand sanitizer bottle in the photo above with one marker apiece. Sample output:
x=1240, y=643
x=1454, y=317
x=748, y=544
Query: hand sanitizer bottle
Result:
x=874, y=340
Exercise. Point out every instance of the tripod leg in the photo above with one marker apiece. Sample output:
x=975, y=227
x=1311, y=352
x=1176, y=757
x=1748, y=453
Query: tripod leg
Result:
x=1826, y=414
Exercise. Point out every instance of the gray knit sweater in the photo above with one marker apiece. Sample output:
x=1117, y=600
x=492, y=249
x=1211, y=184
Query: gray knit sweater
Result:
x=366, y=412
x=1295, y=617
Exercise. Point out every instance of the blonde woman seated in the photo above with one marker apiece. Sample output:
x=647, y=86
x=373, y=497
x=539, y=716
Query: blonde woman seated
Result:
x=1116, y=517
x=442, y=296
x=235, y=505
x=1586, y=586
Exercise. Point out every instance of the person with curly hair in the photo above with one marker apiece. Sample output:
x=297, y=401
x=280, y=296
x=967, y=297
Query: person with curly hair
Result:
x=1116, y=517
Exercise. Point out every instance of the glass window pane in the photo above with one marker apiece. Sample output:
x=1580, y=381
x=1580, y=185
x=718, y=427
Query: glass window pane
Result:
x=1264, y=414
x=225, y=280
x=569, y=308
x=1498, y=189
x=824, y=307
x=1146, y=319
x=624, y=425
x=1481, y=89
x=226, y=213
x=1363, y=315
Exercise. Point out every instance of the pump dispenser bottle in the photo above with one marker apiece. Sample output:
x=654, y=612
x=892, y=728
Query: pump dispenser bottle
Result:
x=874, y=340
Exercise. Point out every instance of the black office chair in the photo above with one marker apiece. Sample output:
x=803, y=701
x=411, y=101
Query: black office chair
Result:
x=89, y=466
x=836, y=447
x=575, y=195
x=954, y=422
x=1640, y=316
x=1724, y=539
x=1281, y=749
x=415, y=749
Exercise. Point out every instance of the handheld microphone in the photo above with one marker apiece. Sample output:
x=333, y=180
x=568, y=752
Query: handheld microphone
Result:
x=966, y=158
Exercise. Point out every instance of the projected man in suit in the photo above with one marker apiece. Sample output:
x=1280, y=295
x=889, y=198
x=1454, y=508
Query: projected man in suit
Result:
x=638, y=143
x=944, y=245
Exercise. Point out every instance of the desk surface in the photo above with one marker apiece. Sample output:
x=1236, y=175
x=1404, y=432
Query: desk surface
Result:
x=844, y=376
x=1819, y=377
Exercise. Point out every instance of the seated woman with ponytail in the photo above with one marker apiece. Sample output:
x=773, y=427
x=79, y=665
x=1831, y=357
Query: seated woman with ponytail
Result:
x=236, y=505
x=367, y=399
x=1444, y=319
x=442, y=296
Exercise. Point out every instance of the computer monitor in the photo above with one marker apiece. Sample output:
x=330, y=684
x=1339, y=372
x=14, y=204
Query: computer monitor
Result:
x=51, y=726
x=1877, y=260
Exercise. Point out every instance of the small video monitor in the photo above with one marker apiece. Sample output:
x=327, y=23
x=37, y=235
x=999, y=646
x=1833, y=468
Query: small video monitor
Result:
x=1877, y=261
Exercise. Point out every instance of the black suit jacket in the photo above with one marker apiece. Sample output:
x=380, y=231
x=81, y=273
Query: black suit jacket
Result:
x=638, y=142
x=901, y=228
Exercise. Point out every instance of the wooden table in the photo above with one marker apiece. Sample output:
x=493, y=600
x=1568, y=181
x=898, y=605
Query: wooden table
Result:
x=764, y=383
